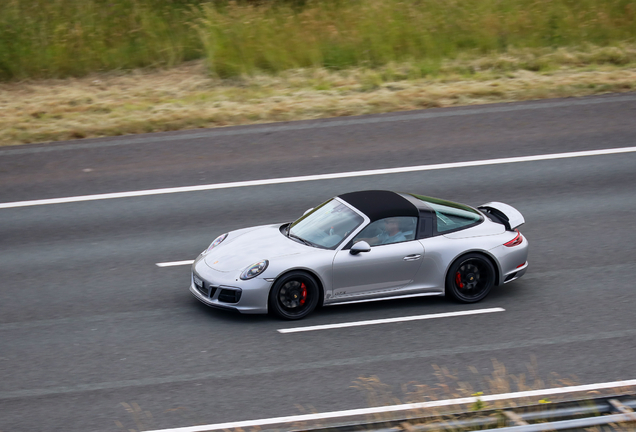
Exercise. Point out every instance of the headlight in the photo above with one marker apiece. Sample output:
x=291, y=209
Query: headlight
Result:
x=254, y=270
x=217, y=241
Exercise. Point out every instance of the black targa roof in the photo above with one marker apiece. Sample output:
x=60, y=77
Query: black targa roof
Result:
x=379, y=204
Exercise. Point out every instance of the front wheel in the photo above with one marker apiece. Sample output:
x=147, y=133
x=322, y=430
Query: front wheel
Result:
x=470, y=278
x=294, y=296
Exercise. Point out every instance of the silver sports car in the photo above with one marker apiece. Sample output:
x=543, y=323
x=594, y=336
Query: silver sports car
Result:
x=360, y=247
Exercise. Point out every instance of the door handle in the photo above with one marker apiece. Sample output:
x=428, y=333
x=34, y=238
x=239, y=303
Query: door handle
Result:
x=412, y=257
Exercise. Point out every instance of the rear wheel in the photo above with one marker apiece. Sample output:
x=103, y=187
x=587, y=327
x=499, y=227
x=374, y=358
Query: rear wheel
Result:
x=294, y=296
x=470, y=278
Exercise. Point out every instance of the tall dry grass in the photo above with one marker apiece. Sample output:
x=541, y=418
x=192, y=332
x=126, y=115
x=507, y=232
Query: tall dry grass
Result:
x=60, y=38
x=184, y=97
x=242, y=38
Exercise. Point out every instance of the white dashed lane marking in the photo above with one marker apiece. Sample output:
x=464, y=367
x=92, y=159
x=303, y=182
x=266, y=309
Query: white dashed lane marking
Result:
x=174, y=263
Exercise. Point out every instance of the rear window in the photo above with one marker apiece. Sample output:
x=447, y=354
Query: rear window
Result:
x=451, y=216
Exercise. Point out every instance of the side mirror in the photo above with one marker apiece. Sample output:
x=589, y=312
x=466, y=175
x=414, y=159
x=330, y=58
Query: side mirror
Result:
x=360, y=246
x=307, y=211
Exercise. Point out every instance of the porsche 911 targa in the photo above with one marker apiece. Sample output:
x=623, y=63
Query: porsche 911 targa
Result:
x=363, y=246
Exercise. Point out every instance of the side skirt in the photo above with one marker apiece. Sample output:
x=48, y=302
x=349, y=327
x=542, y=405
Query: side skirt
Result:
x=429, y=294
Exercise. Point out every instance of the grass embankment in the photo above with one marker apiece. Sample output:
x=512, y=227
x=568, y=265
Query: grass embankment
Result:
x=59, y=38
x=371, y=33
x=279, y=62
x=63, y=38
x=185, y=97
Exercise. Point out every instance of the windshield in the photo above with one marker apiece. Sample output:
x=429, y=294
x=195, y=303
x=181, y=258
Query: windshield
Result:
x=327, y=225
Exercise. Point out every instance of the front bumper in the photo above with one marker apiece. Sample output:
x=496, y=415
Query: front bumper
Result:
x=254, y=293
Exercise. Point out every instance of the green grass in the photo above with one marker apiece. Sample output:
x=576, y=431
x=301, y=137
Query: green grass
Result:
x=241, y=39
x=61, y=38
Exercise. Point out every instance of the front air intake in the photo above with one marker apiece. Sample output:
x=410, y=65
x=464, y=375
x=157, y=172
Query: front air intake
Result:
x=230, y=296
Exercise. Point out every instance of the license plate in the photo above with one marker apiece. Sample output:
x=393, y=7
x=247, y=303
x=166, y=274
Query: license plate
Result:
x=197, y=281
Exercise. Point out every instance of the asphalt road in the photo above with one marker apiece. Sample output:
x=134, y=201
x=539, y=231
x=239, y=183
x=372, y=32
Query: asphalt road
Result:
x=89, y=323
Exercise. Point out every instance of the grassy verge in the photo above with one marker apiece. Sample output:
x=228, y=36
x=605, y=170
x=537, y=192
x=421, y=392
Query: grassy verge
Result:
x=208, y=63
x=242, y=39
x=185, y=97
x=61, y=38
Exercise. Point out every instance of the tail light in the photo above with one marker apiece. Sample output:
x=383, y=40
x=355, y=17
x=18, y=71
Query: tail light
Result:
x=515, y=241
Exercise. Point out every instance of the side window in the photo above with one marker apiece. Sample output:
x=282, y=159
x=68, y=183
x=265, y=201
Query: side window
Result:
x=451, y=218
x=389, y=230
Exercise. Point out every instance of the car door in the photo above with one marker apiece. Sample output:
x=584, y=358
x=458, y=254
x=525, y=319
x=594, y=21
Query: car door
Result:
x=387, y=267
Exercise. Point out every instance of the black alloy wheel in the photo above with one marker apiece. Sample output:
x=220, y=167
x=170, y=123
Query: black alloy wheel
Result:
x=294, y=295
x=470, y=278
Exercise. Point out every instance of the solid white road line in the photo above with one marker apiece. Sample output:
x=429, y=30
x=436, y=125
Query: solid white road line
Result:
x=317, y=177
x=403, y=407
x=174, y=263
x=390, y=320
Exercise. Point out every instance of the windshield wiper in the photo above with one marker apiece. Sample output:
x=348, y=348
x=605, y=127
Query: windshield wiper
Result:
x=302, y=240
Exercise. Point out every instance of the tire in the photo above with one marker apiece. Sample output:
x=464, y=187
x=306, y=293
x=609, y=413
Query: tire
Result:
x=470, y=278
x=294, y=295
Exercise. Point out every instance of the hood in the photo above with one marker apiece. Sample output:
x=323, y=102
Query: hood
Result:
x=266, y=242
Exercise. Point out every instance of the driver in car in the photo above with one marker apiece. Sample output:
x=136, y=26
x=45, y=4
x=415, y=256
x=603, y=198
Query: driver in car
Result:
x=392, y=233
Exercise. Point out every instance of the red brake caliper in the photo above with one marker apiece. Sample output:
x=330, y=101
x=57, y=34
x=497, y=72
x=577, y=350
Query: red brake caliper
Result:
x=458, y=280
x=303, y=294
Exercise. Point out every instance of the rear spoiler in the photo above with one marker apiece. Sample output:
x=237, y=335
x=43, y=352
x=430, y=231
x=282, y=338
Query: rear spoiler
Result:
x=503, y=213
